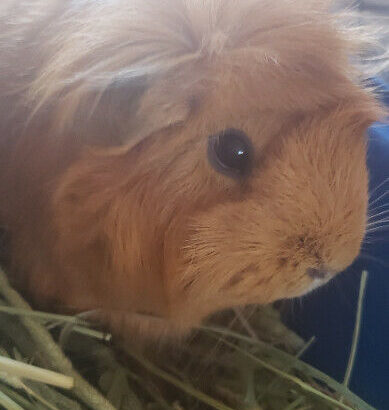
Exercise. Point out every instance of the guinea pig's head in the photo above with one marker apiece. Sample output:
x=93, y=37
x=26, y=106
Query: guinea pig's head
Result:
x=241, y=180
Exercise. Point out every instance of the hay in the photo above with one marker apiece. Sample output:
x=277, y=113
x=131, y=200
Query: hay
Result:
x=242, y=360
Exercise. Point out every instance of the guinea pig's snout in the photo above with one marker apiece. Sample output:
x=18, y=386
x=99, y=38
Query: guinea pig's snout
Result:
x=321, y=263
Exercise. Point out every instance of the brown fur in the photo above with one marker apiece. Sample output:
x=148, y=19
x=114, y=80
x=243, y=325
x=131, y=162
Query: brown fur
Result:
x=106, y=189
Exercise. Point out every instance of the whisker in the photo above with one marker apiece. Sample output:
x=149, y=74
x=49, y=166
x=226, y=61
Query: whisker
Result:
x=379, y=207
x=379, y=198
x=377, y=225
x=368, y=240
x=379, y=228
x=380, y=221
x=362, y=255
x=338, y=288
x=379, y=214
x=374, y=238
x=378, y=187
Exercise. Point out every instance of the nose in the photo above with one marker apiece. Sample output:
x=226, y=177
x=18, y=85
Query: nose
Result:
x=318, y=273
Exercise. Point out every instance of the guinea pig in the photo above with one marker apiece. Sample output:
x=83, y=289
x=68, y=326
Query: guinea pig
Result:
x=162, y=160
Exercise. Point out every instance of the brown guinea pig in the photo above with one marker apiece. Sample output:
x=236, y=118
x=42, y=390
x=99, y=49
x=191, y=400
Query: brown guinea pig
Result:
x=174, y=158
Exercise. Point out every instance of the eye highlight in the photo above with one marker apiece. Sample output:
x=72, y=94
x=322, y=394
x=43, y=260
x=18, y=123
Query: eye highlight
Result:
x=230, y=152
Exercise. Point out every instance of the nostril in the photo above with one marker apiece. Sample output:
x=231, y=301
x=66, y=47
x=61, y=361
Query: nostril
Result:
x=317, y=273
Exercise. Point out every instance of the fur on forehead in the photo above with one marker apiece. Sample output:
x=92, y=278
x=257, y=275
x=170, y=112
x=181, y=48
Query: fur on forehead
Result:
x=166, y=55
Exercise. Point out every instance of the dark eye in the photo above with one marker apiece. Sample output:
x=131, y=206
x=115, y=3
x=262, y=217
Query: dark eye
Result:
x=230, y=152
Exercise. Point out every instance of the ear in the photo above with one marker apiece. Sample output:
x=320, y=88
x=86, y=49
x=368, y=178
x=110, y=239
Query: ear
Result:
x=159, y=109
x=362, y=111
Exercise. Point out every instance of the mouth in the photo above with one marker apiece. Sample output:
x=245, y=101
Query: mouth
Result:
x=320, y=277
x=316, y=283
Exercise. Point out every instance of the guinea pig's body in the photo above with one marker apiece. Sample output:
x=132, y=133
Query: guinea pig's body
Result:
x=178, y=157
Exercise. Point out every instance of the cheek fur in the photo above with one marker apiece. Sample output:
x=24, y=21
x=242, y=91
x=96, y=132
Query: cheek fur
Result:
x=308, y=209
x=169, y=238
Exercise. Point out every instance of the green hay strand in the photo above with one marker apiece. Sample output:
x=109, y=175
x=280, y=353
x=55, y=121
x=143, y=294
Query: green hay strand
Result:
x=241, y=372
